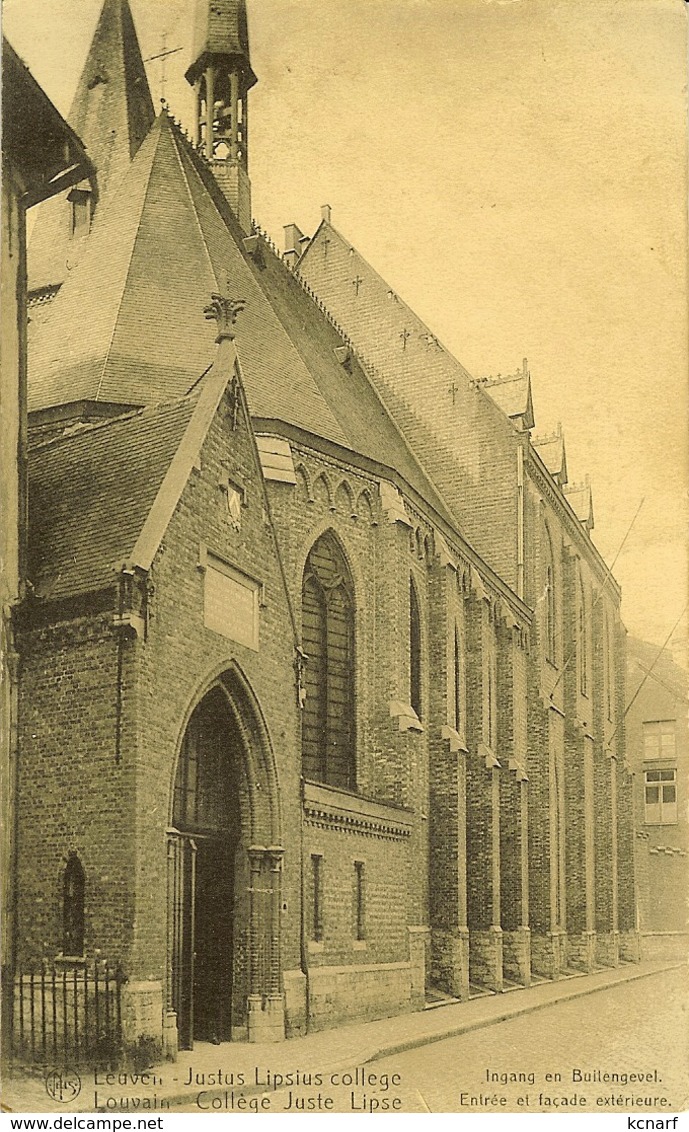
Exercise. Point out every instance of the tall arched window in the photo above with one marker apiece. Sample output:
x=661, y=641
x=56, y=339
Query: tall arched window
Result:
x=328, y=725
x=457, y=682
x=73, y=887
x=549, y=599
x=583, y=634
x=608, y=667
x=492, y=695
x=414, y=650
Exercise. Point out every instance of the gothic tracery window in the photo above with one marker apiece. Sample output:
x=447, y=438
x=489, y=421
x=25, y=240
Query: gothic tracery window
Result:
x=203, y=798
x=328, y=725
x=457, y=681
x=583, y=640
x=414, y=650
x=549, y=601
x=609, y=668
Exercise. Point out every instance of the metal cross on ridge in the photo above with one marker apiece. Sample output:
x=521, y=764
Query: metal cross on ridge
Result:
x=357, y=283
x=454, y=390
x=405, y=336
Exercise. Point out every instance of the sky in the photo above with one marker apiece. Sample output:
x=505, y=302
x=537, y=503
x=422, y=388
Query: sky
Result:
x=516, y=170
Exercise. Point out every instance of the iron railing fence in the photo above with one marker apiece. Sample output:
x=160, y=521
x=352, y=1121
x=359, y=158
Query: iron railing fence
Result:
x=68, y=1014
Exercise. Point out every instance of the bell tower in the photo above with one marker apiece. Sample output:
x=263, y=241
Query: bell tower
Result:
x=222, y=77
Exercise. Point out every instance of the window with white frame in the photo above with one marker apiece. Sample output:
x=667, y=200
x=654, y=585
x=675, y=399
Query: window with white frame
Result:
x=660, y=797
x=659, y=739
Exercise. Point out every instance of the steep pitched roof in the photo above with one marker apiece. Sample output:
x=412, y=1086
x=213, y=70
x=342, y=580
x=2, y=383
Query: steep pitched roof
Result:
x=112, y=113
x=102, y=496
x=348, y=391
x=128, y=326
x=45, y=154
x=90, y=493
x=453, y=425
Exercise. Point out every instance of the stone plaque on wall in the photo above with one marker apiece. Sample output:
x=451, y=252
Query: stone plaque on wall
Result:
x=230, y=603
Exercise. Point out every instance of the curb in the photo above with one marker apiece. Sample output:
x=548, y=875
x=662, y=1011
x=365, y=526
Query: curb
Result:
x=376, y=1053
x=530, y=1008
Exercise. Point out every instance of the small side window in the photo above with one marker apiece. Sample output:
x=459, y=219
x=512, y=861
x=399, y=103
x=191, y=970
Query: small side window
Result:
x=73, y=907
x=317, y=897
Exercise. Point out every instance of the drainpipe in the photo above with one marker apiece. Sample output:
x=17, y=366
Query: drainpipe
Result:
x=520, y=521
x=119, y=622
x=302, y=918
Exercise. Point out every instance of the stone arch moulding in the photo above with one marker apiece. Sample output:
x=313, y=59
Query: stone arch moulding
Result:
x=242, y=859
x=344, y=499
x=322, y=490
x=265, y=816
x=316, y=532
x=304, y=481
x=364, y=507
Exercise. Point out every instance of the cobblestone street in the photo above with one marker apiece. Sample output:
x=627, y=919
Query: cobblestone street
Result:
x=638, y=1028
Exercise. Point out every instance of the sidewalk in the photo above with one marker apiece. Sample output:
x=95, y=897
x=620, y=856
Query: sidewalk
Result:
x=244, y=1066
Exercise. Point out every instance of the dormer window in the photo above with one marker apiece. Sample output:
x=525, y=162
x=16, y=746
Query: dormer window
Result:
x=80, y=215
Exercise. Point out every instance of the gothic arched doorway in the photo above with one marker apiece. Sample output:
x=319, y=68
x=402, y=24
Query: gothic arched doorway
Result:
x=203, y=843
x=224, y=874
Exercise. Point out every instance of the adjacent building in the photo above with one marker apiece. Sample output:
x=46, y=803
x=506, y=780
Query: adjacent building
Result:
x=658, y=744
x=41, y=156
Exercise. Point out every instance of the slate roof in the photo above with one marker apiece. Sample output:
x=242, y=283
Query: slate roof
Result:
x=365, y=422
x=512, y=394
x=580, y=499
x=36, y=140
x=551, y=449
x=220, y=28
x=91, y=492
x=112, y=112
x=128, y=327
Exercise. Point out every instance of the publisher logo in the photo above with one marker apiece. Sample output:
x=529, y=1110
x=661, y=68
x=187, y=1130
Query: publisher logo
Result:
x=63, y=1085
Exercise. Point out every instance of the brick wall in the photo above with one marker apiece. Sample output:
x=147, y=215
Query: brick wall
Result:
x=75, y=795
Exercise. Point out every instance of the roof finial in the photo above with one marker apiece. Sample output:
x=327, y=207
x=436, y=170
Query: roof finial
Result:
x=225, y=312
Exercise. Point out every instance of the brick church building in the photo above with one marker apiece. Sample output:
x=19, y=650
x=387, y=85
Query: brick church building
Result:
x=322, y=675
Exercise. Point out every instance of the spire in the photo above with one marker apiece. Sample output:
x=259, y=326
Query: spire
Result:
x=112, y=113
x=221, y=76
x=113, y=110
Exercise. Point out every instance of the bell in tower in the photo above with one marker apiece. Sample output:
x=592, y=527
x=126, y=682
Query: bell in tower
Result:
x=221, y=76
